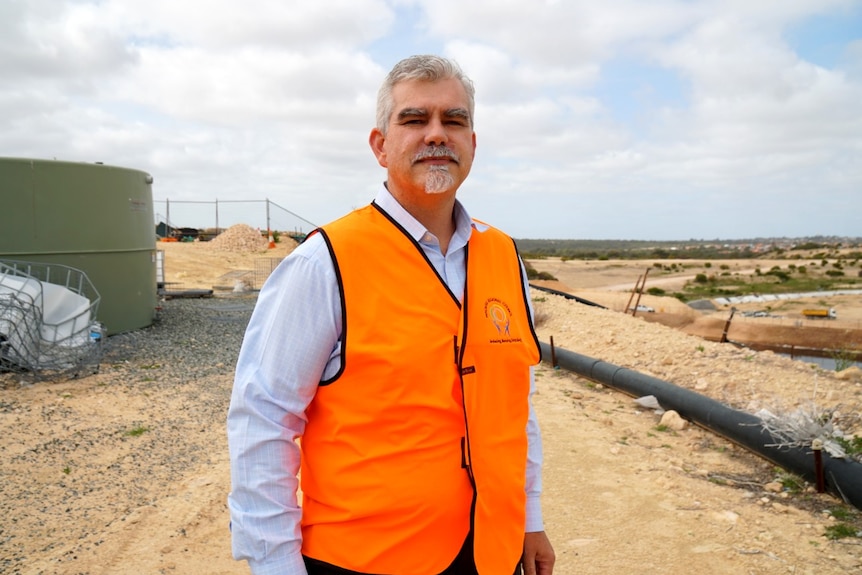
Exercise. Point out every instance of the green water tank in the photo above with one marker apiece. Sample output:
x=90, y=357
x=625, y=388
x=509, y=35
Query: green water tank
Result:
x=93, y=217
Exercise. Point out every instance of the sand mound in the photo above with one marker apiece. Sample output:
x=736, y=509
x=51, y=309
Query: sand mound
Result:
x=240, y=238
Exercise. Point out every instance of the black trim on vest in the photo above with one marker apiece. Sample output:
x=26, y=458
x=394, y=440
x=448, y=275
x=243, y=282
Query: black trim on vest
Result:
x=418, y=248
x=340, y=280
x=465, y=441
x=328, y=242
x=309, y=234
x=462, y=371
x=317, y=567
x=525, y=291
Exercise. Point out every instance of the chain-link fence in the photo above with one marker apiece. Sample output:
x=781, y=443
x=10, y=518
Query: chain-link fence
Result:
x=215, y=216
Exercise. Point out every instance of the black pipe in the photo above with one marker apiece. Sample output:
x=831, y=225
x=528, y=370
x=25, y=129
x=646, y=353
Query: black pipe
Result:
x=842, y=477
x=568, y=296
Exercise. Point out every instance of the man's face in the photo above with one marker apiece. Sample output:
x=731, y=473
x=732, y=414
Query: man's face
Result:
x=430, y=143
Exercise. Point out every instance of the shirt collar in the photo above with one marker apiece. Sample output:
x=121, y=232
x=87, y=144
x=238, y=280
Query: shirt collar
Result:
x=464, y=224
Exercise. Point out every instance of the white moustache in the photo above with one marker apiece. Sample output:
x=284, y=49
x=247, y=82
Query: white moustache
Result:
x=436, y=152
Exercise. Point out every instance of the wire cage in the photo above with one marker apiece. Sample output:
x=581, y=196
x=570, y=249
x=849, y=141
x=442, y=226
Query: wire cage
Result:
x=48, y=319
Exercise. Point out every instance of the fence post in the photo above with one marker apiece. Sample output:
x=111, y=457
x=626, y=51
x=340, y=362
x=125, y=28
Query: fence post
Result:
x=267, y=215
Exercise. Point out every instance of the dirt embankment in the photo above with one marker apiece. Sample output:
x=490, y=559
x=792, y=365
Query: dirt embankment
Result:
x=784, y=329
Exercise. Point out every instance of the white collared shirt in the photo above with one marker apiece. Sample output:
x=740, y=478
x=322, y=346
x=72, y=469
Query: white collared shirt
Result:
x=292, y=342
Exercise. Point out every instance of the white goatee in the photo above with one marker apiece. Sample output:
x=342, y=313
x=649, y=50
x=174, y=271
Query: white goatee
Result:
x=438, y=180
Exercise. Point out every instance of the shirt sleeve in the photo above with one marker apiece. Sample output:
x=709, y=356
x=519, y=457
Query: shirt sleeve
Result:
x=535, y=521
x=291, y=338
x=535, y=455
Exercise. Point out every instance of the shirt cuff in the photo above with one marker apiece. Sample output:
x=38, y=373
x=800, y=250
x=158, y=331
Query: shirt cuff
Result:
x=291, y=563
x=534, y=514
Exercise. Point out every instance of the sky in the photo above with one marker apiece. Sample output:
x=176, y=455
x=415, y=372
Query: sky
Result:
x=619, y=119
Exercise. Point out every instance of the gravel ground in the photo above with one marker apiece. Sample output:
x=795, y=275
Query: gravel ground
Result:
x=125, y=471
x=95, y=449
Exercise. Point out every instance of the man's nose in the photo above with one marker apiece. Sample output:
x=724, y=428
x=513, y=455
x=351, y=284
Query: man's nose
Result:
x=435, y=133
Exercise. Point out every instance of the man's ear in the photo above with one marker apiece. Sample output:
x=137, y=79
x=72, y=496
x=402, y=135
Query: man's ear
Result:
x=376, y=141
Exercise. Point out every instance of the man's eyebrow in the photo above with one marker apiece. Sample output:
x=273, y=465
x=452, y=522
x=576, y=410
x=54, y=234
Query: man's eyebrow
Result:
x=458, y=113
x=411, y=112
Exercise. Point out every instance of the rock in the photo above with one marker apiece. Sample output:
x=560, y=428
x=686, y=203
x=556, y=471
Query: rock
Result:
x=852, y=373
x=726, y=516
x=774, y=487
x=672, y=420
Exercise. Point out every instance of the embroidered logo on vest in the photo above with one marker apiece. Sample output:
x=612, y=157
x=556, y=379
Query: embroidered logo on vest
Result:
x=499, y=314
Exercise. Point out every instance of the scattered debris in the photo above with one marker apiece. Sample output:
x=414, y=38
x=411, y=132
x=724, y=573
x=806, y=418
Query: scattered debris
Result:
x=805, y=425
x=48, y=319
x=650, y=402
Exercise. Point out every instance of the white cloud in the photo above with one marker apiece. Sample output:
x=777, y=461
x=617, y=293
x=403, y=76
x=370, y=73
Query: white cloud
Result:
x=275, y=98
x=558, y=35
x=224, y=25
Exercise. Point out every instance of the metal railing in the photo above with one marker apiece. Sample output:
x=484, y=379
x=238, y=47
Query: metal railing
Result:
x=47, y=319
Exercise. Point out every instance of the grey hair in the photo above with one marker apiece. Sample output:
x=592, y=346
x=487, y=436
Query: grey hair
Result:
x=423, y=67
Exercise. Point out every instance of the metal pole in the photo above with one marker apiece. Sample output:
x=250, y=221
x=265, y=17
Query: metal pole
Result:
x=727, y=326
x=216, y=210
x=634, y=289
x=640, y=292
x=168, y=217
x=819, y=480
x=269, y=229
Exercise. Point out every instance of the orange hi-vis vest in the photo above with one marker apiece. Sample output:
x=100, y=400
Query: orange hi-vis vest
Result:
x=422, y=434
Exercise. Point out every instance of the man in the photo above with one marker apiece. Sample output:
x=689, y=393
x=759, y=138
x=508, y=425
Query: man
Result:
x=395, y=345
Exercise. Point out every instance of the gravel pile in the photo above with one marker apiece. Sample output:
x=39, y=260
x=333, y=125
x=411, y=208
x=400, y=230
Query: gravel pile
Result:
x=239, y=238
x=80, y=456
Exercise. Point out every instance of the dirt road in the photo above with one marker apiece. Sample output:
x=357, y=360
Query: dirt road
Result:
x=621, y=493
